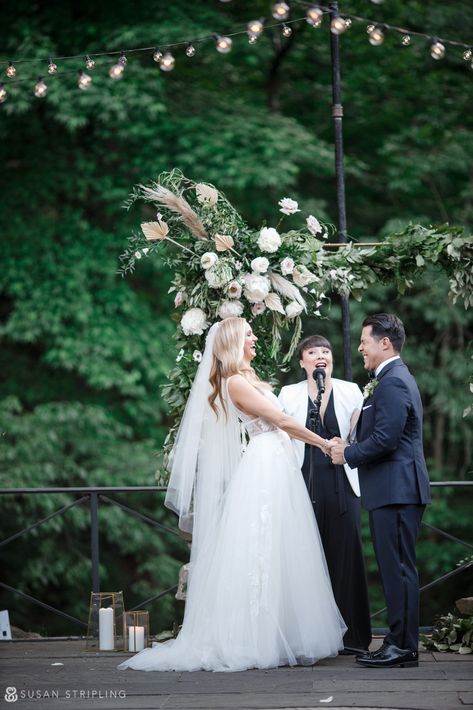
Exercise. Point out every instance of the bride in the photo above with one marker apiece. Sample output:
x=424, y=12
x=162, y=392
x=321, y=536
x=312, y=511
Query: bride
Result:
x=259, y=594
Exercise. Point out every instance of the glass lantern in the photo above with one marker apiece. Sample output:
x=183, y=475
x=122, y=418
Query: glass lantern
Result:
x=106, y=622
x=136, y=630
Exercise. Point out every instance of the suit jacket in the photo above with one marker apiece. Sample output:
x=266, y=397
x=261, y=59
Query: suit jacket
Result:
x=346, y=398
x=389, y=453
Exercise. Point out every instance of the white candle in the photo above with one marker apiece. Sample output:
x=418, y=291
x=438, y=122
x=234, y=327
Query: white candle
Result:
x=136, y=638
x=106, y=629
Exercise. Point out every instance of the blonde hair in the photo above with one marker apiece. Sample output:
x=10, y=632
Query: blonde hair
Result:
x=228, y=354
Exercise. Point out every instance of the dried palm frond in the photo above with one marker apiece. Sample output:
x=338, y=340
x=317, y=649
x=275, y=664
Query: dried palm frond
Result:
x=155, y=230
x=286, y=288
x=273, y=302
x=175, y=203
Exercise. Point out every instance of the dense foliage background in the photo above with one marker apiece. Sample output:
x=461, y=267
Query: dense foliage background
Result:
x=84, y=352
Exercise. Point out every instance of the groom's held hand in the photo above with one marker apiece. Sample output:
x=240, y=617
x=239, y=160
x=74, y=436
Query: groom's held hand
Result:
x=337, y=451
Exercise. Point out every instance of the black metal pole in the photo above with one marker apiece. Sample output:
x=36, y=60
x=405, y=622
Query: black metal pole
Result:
x=94, y=541
x=337, y=114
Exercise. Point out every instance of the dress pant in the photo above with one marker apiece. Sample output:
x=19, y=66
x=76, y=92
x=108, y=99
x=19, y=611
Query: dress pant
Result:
x=394, y=530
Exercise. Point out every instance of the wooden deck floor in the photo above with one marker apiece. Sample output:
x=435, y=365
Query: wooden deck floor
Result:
x=62, y=676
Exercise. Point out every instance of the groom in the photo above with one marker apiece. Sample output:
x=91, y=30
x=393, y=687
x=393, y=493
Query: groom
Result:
x=393, y=480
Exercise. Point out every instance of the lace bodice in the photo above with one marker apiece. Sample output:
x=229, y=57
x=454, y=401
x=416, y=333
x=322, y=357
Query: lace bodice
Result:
x=256, y=425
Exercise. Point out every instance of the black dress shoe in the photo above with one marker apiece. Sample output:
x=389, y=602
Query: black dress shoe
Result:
x=390, y=657
x=350, y=651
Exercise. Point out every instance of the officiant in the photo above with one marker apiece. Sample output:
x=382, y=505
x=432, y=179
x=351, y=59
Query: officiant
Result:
x=331, y=407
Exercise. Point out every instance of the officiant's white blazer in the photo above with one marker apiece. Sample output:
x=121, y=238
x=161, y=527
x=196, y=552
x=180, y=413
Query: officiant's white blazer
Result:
x=346, y=398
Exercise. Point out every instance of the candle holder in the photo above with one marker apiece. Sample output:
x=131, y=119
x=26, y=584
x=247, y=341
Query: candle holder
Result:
x=136, y=630
x=106, y=622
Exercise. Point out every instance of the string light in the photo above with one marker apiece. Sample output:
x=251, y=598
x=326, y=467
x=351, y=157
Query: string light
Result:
x=157, y=55
x=52, y=67
x=370, y=28
x=406, y=40
x=252, y=39
x=84, y=82
x=437, y=49
x=89, y=63
x=190, y=50
x=223, y=44
x=11, y=71
x=348, y=22
x=116, y=70
x=3, y=94
x=338, y=25
x=167, y=62
x=376, y=36
x=314, y=15
x=467, y=55
x=255, y=27
x=40, y=88
x=286, y=31
x=280, y=11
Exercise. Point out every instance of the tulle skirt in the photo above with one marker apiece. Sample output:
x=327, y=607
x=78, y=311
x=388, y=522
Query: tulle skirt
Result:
x=259, y=594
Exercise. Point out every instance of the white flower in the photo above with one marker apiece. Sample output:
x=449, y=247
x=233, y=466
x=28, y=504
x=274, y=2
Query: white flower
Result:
x=258, y=308
x=230, y=308
x=197, y=356
x=137, y=255
x=302, y=276
x=287, y=266
x=260, y=265
x=293, y=309
x=269, y=240
x=194, y=322
x=208, y=259
x=218, y=275
x=234, y=289
x=180, y=355
x=179, y=298
x=313, y=225
x=145, y=251
x=256, y=287
x=238, y=265
x=206, y=194
x=288, y=206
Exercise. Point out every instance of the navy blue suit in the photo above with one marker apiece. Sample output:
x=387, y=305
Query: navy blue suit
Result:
x=395, y=489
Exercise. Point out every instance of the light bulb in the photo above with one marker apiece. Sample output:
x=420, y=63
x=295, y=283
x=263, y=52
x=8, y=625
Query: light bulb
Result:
x=116, y=70
x=40, y=88
x=337, y=25
x=348, y=22
x=190, y=50
x=167, y=62
x=224, y=44
x=370, y=28
x=123, y=60
x=406, y=40
x=252, y=39
x=280, y=10
x=84, y=80
x=52, y=67
x=286, y=31
x=157, y=55
x=11, y=71
x=254, y=28
x=3, y=94
x=467, y=55
x=314, y=16
x=376, y=36
x=89, y=63
x=437, y=50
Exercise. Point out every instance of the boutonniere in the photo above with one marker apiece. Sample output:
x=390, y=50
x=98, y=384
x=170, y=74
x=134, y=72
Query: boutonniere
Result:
x=370, y=388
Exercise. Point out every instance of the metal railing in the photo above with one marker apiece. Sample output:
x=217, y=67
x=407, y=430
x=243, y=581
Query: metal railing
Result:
x=102, y=493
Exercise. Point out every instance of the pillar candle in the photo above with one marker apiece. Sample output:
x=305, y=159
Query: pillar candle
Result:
x=136, y=638
x=106, y=629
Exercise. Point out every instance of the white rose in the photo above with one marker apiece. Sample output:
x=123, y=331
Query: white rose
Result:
x=234, y=289
x=194, y=322
x=197, y=356
x=269, y=240
x=288, y=206
x=179, y=298
x=230, y=308
x=287, y=266
x=293, y=309
x=260, y=265
x=302, y=276
x=206, y=194
x=258, y=308
x=313, y=225
x=256, y=287
x=208, y=259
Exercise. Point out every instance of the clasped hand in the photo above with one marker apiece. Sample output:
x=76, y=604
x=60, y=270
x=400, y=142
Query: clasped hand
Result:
x=335, y=449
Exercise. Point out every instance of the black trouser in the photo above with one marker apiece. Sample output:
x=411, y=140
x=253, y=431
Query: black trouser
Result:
x=394, y=530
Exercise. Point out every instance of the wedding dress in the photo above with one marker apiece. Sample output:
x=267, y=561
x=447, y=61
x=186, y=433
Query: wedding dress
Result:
x=259, y=593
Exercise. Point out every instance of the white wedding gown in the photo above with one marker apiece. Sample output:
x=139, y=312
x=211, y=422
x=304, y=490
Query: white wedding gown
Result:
x=259, y=594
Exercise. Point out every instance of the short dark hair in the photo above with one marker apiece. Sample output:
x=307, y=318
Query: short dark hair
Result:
x=312, y=341
x=386, y=325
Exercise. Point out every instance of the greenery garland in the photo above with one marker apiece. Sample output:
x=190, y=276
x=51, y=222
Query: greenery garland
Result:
x=223, y=267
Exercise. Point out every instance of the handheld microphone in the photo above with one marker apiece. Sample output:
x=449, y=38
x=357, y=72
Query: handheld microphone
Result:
x=319, y=376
